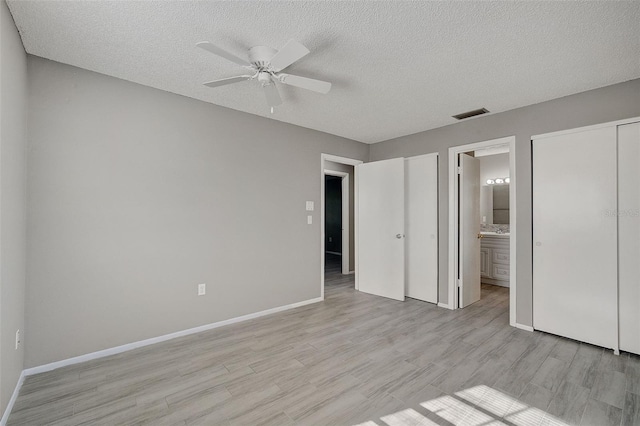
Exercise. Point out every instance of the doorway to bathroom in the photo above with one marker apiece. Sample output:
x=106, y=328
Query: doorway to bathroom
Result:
x=482, y=257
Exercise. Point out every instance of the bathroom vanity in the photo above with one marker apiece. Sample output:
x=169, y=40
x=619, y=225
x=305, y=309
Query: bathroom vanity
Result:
x=494, y=258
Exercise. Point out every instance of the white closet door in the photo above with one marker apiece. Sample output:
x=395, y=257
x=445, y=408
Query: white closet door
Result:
x=575, y=236
x=629, y=236
x=380, y=235
x=421, y=225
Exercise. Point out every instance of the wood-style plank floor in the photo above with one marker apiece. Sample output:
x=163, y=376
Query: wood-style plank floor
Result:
x=352, y=359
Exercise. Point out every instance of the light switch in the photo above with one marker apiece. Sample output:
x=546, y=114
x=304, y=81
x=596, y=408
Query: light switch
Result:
x=309, y=220
x=309, y=206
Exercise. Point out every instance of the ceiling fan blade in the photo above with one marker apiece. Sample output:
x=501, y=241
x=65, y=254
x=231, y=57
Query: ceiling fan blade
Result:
x=225, y=81
x=222, y=53
x=273, y=97
x=291, y=52
x=305, y=83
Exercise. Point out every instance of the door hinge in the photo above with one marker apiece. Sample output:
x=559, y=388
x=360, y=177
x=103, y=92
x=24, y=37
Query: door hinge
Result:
x=459, y=170
x=459, y=282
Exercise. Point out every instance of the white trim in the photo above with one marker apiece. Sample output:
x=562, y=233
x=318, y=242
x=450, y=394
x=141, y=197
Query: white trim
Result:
x=453, y=222
x=153, y=340
x=513, y=218
x=12, y=401
x=344, y=235
x=341, y=160
x=523, y=327
x=335, y=173
x=356, y=225
x=586, y=128
x=493, y=281
x=349, y=162
x=346, y=262
x=444, y=305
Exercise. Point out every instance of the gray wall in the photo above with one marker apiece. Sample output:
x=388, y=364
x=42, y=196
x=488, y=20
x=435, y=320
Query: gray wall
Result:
x=596, y=106
x=13, y=98
x=493, y=166
x=338, y=167
x=137, y=195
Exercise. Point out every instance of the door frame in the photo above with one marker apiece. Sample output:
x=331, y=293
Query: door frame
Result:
x=510, y=141
x=349, y=162
x=344, y=182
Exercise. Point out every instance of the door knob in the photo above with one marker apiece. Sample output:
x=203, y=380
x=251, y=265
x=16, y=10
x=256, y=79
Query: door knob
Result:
x=480, y=236
x=398, y=236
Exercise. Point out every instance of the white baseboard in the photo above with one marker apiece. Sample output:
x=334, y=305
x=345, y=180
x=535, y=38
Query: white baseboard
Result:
x=12, y=401
x=491, y=281
x=523, y=327
x=444, y=305
x=147, y=342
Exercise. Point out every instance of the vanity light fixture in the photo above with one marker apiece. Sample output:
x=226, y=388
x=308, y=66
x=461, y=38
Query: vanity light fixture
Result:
x=498, y=181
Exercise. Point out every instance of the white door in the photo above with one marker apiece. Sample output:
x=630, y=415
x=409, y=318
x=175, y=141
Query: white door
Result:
x=629, y=235
x=421, y=225
x=380, y=233
x=575, y=236
x=469, y=229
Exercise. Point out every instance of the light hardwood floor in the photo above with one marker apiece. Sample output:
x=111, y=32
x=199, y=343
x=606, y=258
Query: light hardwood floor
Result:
x=352, y=359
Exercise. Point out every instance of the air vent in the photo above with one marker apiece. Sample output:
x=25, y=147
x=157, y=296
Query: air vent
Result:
x=471, y=113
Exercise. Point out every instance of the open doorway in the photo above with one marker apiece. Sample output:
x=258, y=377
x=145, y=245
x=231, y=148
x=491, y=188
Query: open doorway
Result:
x=484, y=231
x=338, y=251
x=482, y=217
x=338, y=224
x=338, y=237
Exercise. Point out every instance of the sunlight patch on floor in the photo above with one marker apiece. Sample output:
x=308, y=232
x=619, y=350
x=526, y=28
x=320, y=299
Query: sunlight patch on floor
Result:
x=408, y=417
x=475, y=406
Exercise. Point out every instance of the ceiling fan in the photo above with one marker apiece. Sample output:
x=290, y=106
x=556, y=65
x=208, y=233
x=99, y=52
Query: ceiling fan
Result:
x=266, y=65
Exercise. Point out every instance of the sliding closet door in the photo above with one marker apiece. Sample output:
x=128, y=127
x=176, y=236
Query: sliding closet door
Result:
x=629, y=236
x=575, y=236
x=421, y=225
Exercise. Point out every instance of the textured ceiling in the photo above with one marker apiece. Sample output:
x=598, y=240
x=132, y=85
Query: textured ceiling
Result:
x=397, y=67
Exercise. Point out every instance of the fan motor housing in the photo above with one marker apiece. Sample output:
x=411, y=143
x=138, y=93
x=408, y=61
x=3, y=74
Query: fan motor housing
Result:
x=260, y=56
x=264, y=78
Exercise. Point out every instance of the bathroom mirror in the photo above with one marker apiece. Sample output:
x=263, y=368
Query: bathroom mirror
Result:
x=501, y=204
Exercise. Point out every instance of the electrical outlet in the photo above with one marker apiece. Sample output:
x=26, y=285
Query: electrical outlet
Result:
x=202, y=289
x=17, y=339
